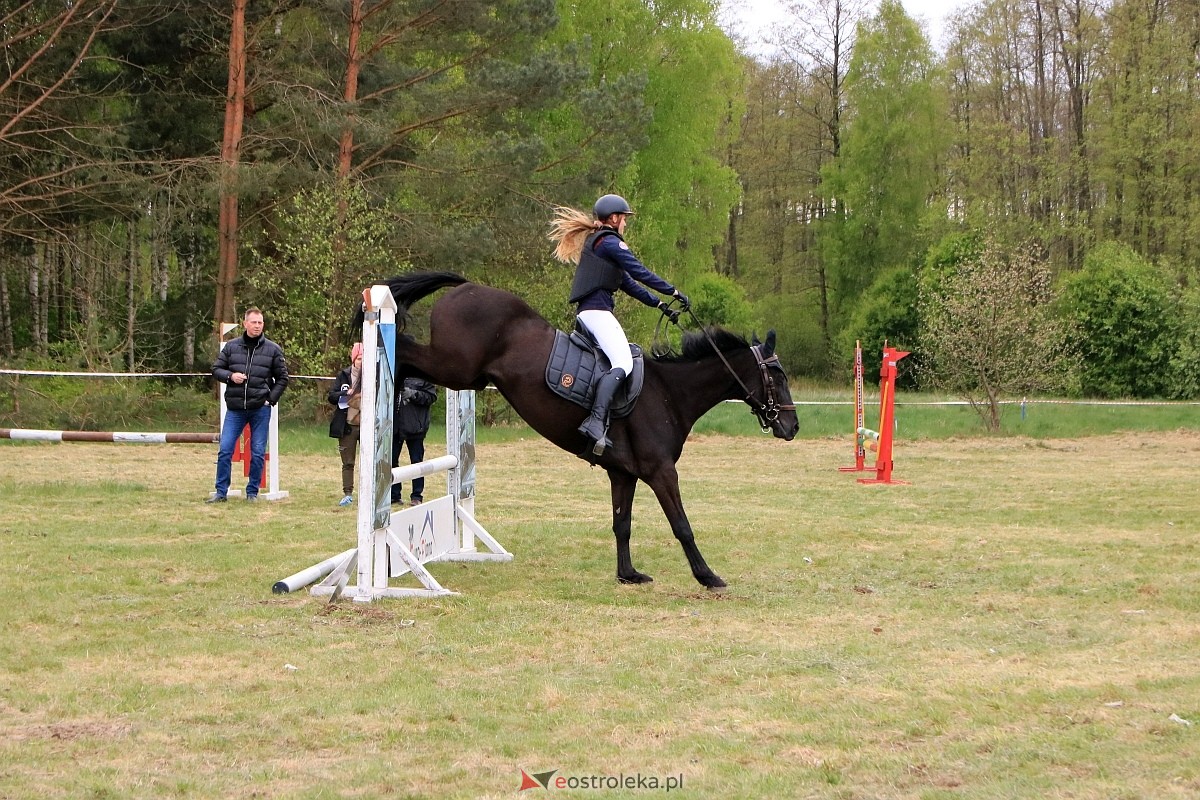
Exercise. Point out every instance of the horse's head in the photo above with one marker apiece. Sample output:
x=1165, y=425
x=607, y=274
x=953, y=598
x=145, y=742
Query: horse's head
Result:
x=771, y=401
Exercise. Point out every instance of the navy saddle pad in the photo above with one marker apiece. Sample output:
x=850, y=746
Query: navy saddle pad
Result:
x=574, y=367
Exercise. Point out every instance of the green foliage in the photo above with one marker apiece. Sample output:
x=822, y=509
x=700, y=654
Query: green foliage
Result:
x=952, y=250
x=887, y=313
x=785, y=136
x=106, y=404
x=989, y=331
x=676, y=180
x=801, y=341
x=886, y=170
x=717, y=300
x=324, y=229
x=1126, y=328
x=1147, y=154
x=1185, y=364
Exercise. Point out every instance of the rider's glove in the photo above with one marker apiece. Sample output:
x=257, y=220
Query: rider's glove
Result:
x=668, y=312
x=684, y=303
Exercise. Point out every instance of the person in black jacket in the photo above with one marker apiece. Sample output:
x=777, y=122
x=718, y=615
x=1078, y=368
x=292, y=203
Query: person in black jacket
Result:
x=413, y=399
x=254, y=372
x=344, y=397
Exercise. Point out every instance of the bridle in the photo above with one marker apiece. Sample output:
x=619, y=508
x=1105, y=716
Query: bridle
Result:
x=767, y=412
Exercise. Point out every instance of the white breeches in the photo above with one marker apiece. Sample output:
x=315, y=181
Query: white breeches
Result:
x=610, y=336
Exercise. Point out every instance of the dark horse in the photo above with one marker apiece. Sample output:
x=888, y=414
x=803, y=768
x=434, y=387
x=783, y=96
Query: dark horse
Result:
x=480, y=335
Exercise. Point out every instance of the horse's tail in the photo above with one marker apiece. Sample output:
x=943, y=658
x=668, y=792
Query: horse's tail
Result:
x=408, y=289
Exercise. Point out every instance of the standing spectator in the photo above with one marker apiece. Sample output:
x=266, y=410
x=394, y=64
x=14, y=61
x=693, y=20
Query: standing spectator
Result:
x=413, y=400
x=255, y=374
x=346, y=399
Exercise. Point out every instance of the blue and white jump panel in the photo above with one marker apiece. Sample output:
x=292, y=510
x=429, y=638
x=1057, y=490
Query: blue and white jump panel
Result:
x=392, y=544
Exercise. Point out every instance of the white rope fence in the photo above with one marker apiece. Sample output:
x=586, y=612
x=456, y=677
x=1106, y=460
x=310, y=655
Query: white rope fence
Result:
x=868, y=399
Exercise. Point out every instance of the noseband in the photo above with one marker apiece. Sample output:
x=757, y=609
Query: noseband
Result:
x=766, y=412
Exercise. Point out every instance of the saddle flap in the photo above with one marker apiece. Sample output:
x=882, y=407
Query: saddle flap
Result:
x=575, y=366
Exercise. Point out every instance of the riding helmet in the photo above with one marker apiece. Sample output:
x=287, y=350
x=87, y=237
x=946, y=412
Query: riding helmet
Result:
x=611, y=204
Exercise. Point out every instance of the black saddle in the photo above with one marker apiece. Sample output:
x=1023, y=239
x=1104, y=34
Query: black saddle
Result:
x=576, y=364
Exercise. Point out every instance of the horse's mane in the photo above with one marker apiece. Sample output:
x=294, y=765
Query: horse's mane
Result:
x=696, y=346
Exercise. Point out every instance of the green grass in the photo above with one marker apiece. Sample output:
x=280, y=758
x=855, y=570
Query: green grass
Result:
x=1019, y=621
x=934, y=417
x=917, y=418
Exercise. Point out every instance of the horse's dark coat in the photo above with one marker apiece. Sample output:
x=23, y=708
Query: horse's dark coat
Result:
x=480, y=335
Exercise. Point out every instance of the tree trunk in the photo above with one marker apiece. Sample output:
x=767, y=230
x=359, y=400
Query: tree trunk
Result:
x=35, y=301
x=345, y=164
x=160, y=248
x=85, y=282
x=6, y=331
x=235, y=109
x=62, y=290
x=44, y=297
x=189, y=279
x=130, y=293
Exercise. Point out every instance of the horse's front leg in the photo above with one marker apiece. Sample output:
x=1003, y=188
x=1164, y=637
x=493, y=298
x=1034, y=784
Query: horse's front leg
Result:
x=623, y=487
x=666, y=489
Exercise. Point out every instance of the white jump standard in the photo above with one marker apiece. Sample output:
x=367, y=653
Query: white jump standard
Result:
x=391, y=544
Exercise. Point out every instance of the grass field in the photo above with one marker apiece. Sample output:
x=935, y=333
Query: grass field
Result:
x=1021, y=621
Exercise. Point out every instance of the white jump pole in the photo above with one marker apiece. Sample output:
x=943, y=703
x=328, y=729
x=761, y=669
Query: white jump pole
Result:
x=311, y=575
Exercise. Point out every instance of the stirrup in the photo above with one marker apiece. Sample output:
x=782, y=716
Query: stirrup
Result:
x=601, y=441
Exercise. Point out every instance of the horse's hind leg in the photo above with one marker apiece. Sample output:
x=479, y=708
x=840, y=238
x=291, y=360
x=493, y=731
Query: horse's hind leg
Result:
x=666, y=489
x=623, y=487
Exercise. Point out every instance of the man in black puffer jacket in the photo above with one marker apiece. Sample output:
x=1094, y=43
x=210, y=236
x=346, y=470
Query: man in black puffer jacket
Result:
x=255, y=374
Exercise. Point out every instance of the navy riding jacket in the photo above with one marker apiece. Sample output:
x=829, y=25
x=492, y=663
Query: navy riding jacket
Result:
x=612, y=248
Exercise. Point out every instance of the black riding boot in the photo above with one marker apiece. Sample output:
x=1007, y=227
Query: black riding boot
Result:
x=595, y=427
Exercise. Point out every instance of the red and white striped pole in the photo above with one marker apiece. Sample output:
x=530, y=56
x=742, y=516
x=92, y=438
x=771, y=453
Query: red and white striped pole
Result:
x=860, y=445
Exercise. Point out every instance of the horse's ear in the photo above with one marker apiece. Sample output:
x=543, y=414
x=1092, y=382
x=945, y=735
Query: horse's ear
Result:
x=754, y=339
x=769, y=346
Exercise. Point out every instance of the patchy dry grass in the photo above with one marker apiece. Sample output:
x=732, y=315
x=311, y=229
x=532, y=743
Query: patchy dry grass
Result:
x=1020, y=621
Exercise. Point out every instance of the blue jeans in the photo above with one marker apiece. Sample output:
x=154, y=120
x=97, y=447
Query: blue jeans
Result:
x=259, y=420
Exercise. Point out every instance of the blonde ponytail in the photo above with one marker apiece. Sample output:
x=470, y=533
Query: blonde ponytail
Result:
x=568, y=229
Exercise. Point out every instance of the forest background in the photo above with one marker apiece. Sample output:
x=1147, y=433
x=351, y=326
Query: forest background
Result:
x=1019, y=211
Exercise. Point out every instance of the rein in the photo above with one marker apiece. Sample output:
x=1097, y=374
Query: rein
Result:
x=765, y=412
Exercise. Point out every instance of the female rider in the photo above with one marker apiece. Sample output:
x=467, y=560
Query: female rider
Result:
x=604, y=264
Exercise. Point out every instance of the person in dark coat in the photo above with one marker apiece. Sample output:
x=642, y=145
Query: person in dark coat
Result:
x=411, y=423
x=344, y=426
x=255, y=374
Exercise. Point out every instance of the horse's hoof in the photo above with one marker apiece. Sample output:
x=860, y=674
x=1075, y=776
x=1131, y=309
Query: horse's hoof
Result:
x=718, y=589
x=635, y=578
